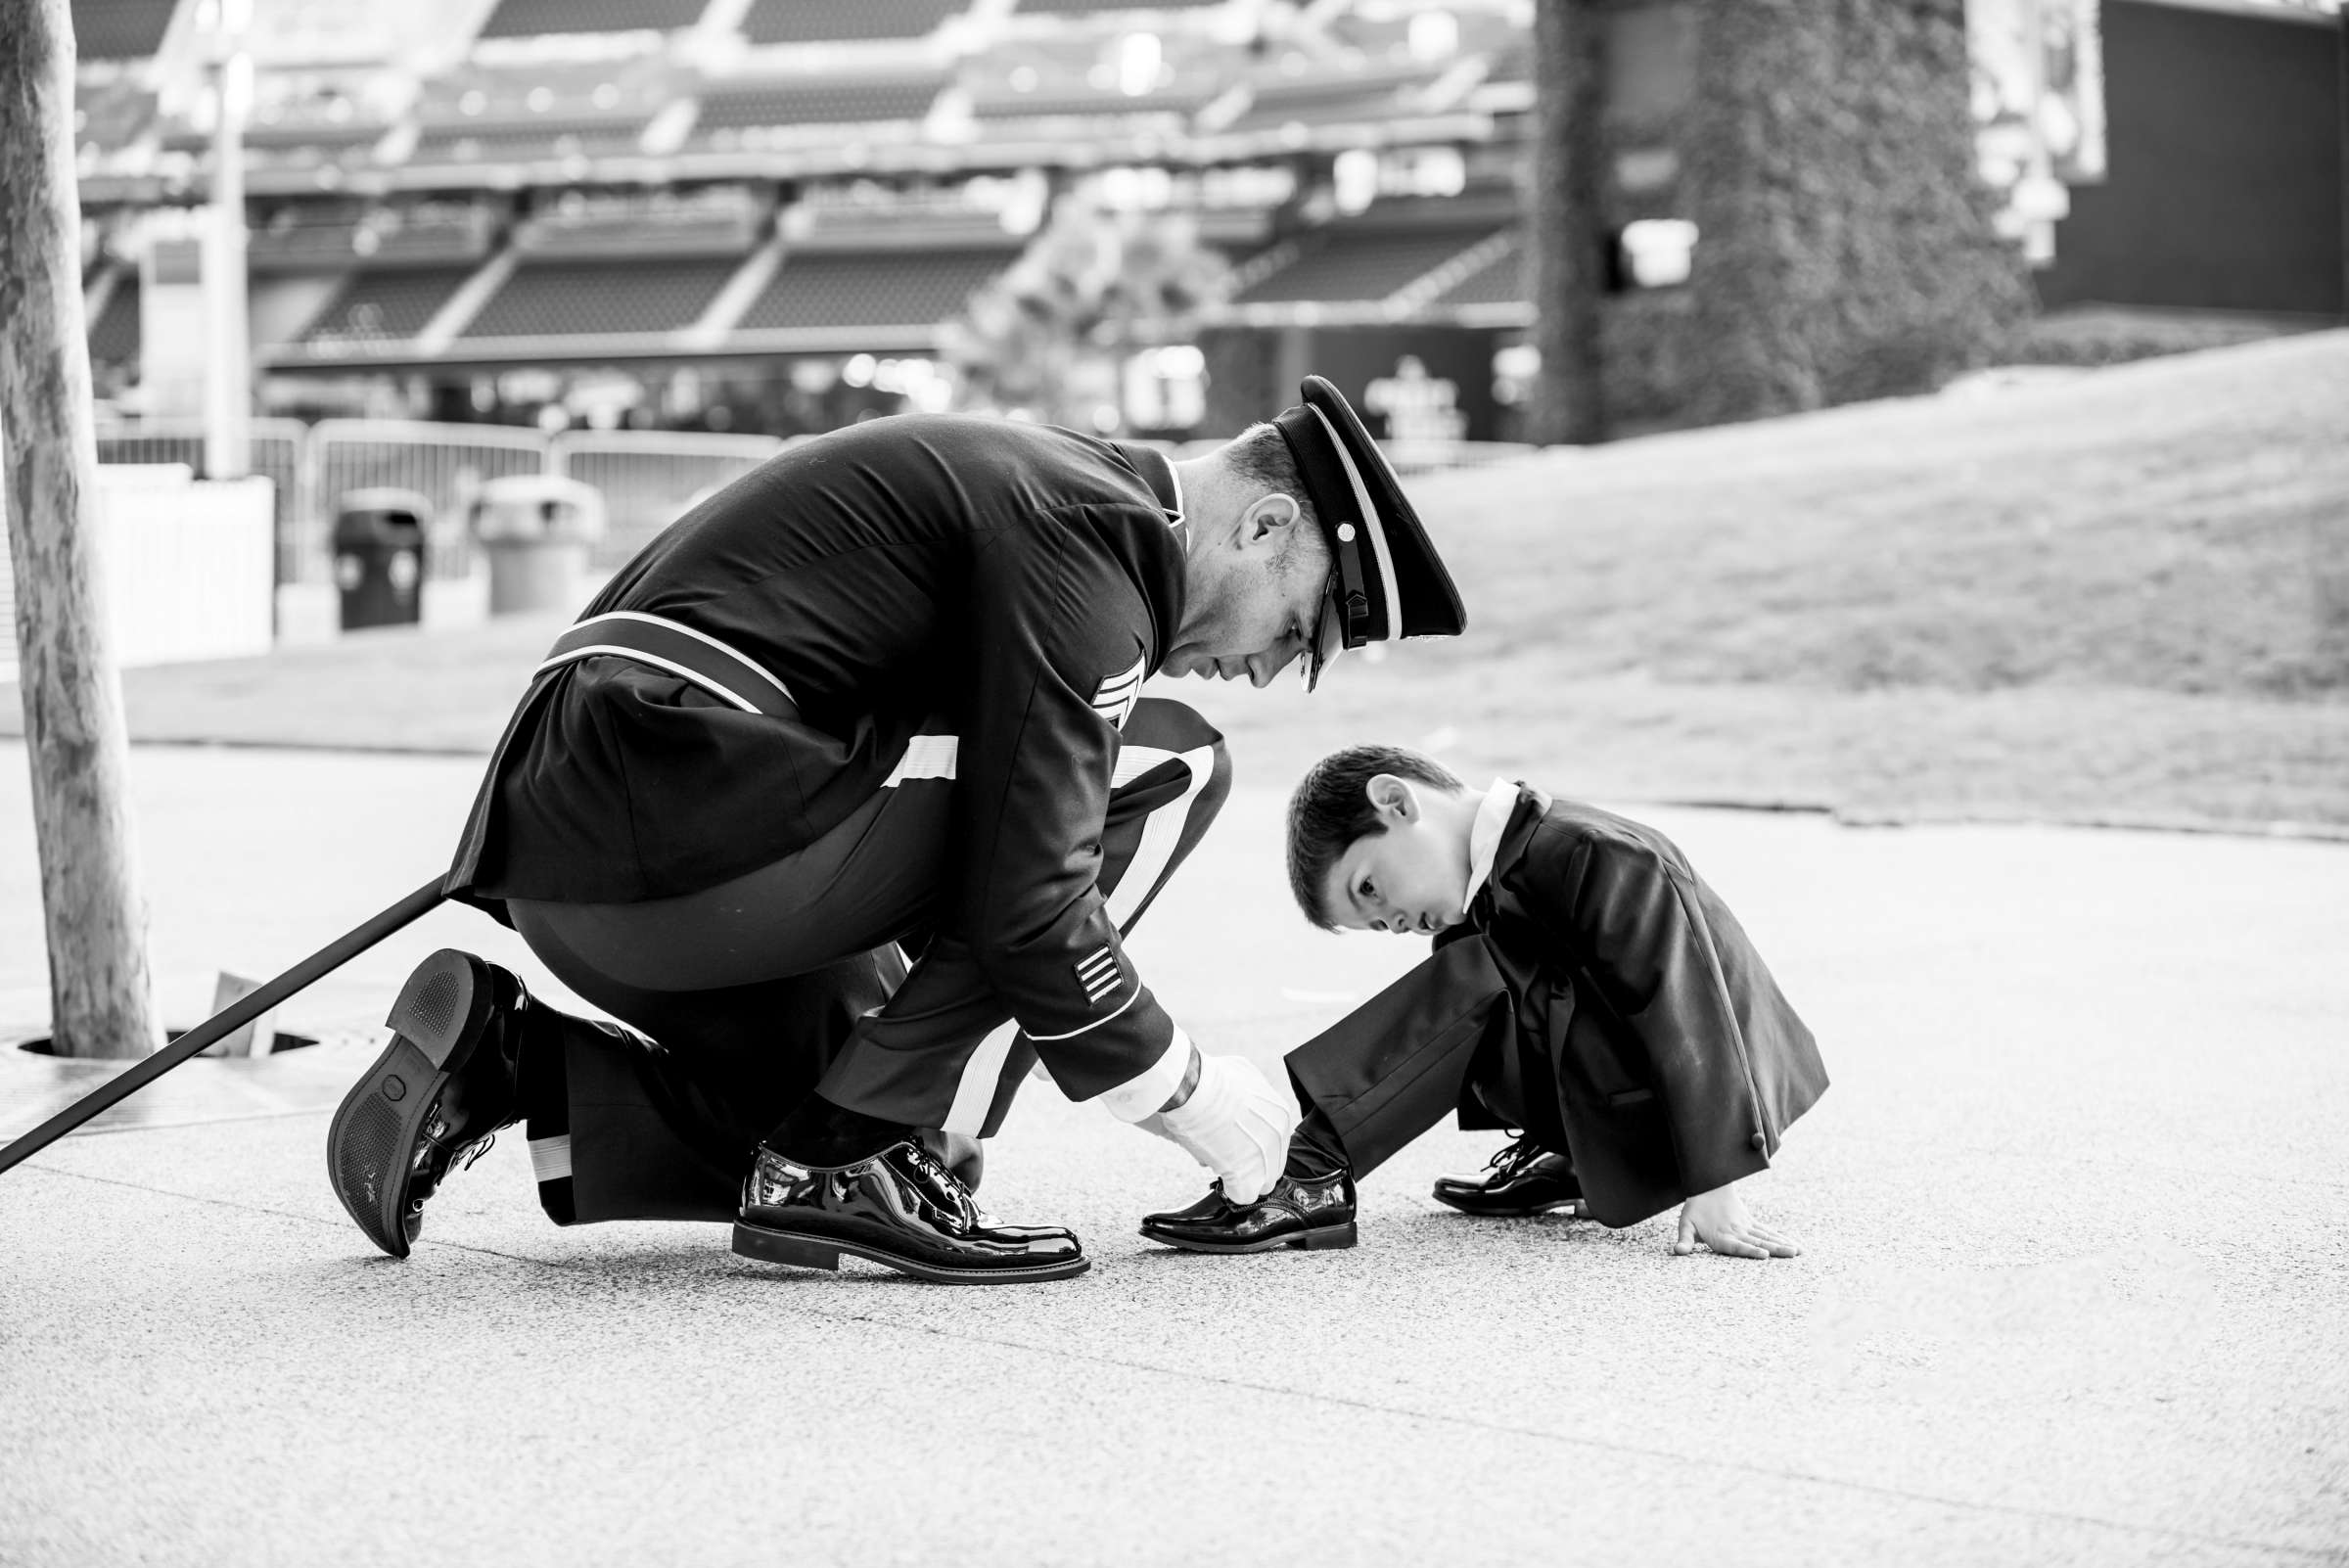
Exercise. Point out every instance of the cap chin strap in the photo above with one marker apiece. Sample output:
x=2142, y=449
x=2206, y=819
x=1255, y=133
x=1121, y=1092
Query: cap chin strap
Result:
x=1379, y=552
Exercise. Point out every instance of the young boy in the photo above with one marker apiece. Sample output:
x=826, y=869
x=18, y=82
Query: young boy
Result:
x=1586, y=986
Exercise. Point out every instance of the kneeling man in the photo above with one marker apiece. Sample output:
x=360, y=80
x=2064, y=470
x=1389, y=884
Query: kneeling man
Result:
x=844, y=796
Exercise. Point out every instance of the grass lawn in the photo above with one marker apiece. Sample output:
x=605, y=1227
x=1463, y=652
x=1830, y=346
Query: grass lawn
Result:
x=2119, y=596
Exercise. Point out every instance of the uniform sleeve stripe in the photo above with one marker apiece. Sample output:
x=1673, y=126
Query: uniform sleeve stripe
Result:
x=708, y=683
x=1087, y=1029
x=667, y=624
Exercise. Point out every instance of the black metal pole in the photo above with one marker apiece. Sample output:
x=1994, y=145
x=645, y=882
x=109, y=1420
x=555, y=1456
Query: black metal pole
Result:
x=334, y=955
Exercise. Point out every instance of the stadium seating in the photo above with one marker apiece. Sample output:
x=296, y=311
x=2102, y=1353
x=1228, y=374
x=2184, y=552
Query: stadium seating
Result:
x=1323, y=102
x=419, y=232
x=1087, y=8
x=305, y=235
x=808, y=21
x=732, y=117
x=120, y=30
x=547, y=142
x=1499, y=281
x=525, y=19
x=1093, y=103
x=722, y=220
x=871, y=289
x=1348, y=264
x=380, y=307
x=753, y=180
x=598, y=298
x=114, y=333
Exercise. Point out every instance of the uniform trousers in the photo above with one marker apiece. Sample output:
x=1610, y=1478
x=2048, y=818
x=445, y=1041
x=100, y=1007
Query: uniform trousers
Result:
x=747, y=996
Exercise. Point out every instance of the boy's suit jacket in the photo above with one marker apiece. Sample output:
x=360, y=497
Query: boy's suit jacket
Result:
x=1677, y=1063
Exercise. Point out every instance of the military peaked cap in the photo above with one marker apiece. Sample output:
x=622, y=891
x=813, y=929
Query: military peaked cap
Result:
x=1388, y=580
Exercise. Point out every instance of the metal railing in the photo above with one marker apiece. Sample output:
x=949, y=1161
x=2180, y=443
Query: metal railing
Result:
x=278, y=445
x=447, y=464
x=649, y=478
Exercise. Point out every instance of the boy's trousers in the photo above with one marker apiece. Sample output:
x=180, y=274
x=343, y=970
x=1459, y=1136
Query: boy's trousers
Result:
x=1505, y=1045
x=1447, y=1035
x=750, y=992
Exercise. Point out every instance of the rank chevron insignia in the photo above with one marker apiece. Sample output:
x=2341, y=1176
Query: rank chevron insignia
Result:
x=1117, y=694
x=1100, y=975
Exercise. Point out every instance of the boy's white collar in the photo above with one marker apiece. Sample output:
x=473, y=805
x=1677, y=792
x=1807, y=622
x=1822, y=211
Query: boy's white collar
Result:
x=1484, y=834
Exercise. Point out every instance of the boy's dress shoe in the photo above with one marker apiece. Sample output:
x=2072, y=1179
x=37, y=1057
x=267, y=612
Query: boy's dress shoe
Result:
x=1310, y=1213
x=901, y=1207
x=1522, y=1179
x=436, y=1095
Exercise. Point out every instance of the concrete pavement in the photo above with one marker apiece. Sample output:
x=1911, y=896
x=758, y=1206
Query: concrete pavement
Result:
x=2073, y=1289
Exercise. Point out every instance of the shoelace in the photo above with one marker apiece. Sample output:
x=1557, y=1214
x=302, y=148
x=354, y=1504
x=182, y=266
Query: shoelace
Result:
x=1514, y=1158
x=919, y=1155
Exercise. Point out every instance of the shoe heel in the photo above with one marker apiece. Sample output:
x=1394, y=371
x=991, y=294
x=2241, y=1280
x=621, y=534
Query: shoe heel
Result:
x=438, y=1007
x=1329, y=1238
x=797, y=1251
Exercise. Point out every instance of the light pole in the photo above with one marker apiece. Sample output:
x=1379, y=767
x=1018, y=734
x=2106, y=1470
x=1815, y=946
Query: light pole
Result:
x=228, y=358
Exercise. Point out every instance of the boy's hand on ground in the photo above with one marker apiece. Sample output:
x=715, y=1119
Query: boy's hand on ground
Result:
x=1721, y=1221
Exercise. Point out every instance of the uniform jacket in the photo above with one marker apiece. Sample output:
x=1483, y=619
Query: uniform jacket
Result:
x=1009, y=584
x=1678, y=1065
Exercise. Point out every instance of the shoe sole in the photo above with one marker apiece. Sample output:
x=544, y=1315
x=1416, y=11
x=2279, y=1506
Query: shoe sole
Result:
x=1327, y=1238
x=372, y=1141
x=1563, y=1206
x=823, y=1252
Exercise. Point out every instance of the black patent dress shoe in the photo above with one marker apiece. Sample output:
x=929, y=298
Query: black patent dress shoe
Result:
x=435, y=1096
x=902, y=1208
x=1523, y=1179
x=1297, y=1213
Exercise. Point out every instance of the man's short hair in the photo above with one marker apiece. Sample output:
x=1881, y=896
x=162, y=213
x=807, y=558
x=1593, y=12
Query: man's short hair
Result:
x=1332, y=809
x=1259, y=455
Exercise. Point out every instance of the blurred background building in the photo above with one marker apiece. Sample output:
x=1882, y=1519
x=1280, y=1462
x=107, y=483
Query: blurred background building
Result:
x=640, y=242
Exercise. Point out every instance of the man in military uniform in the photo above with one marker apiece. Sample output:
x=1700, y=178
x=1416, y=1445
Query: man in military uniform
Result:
x=843, y=795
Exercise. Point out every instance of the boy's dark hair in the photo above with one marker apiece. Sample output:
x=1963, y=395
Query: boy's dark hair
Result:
x=1332, y=809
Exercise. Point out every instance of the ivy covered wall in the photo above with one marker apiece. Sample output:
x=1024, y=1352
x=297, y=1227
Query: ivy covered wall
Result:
x=1846, y=248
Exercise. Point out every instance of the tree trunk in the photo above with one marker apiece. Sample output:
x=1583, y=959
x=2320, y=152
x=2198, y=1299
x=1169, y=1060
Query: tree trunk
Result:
x=100, y=994
x=1568, y=232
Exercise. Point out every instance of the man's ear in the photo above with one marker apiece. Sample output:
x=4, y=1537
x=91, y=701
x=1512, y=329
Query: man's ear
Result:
x=1393, y=796
x=1267, y=515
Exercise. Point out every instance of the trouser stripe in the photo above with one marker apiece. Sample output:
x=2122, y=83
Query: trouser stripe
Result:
x=974, y=1091
x=1162, y=833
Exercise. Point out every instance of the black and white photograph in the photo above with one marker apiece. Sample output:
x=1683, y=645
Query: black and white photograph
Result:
x=715, y=714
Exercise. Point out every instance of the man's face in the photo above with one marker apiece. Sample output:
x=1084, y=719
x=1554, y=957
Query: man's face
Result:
x=1254, y=597
x=1411, y=879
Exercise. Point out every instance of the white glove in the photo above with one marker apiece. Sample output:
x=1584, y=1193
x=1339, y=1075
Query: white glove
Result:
x=1235, y=1122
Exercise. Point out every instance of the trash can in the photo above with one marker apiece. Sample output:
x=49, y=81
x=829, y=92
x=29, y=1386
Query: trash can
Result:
x=379, y=556
x=536, y=529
